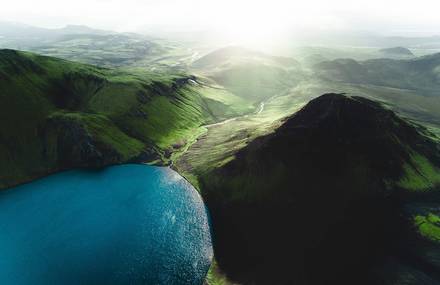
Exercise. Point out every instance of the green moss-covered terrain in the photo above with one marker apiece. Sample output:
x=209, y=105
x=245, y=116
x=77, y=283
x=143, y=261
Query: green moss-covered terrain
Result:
x=343, y=188
x=56, y=114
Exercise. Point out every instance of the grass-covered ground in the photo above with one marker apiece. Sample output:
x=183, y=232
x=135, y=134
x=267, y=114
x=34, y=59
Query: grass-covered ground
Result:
x=283, y=85
x=420, y=174
x=221, y=142
x=251, y=75
x=57, y=114
x=151, y=110
x=420, y=74
x=349, y=160
x=428, y=226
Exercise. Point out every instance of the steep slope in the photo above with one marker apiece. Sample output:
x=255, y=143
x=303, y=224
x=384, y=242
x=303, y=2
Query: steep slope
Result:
x=56, y=114
x=421, y=74
x=325, y=199
x=249, y=74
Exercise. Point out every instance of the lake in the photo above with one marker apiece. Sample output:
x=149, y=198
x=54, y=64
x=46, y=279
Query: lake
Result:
x=127, y=224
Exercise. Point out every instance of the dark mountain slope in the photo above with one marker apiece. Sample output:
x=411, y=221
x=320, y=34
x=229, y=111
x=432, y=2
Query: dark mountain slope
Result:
x=56, y=114
x=320, y=201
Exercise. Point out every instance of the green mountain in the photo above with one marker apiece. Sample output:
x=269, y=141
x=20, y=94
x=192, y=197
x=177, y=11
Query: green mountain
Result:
x=251, y=75
x=344, y=192
x=56, y=114
x=398, y=52
x=421, y=74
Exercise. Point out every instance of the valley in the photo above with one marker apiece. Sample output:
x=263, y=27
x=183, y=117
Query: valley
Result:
x=115, y=116
x=285, y=148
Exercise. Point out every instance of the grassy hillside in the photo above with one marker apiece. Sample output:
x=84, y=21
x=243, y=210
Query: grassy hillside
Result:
x=251, y=75
x=57, y=114
x=344, y=187
x=421, y=74
x=316, y=54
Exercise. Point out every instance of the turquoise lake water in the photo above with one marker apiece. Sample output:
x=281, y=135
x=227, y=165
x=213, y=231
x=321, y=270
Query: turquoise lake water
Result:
x=128, y=224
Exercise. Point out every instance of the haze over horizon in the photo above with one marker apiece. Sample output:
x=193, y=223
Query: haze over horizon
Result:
x=245, y=20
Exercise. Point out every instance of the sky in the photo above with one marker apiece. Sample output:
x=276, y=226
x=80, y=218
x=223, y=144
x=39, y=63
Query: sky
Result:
x=238, y=18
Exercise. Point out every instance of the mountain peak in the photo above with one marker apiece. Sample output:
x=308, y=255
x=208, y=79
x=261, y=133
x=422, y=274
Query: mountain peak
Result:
x=318, y=189
x=366, y=129
x=81, y=29
x=401, y=51
x=352, y=112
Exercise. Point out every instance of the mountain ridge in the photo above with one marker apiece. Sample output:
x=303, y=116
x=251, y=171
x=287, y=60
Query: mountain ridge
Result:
x=57, y=114
x=323, y=193
x=421, y=73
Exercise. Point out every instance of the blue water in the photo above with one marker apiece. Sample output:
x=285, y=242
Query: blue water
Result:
x=129, y=224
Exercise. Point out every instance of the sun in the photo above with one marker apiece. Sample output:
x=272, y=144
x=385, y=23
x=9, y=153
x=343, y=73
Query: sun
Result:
x=257, y=23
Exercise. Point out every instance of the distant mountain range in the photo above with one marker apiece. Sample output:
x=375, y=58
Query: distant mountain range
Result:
x=421, y=74
x=17, y=30
x=82, y=43
x=397, y=51
x=365, y=39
